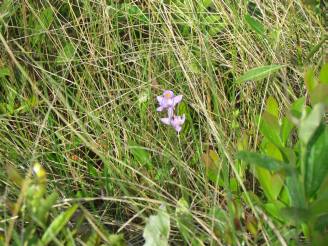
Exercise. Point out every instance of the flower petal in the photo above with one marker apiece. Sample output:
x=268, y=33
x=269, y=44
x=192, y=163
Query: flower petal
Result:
x=166, y=121
x=168, y=94
x=168, y=102
x=170, y=112
x=182, y=119
x=159, y=109
x=177, y=99
x=160, y=99
x=178, y=128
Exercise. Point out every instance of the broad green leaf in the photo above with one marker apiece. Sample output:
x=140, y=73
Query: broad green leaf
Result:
x=321, y=225
x=57, y=225
x=297, y=107
x=135, y=13
x=309, y=80
x=310, y=124
x=46, y=18
x=274, y=208
x=140, y=154
x=272, y=106
x=157, y=229
x=184, y=220
x=66, y=54
x=213, y=24
x=233, y=185
x=271, y=184
x=284, y=196
x=320, y=94
x=271, y=150
x=211, y=161
x=195, y=67
x=320, y=205
x=316, y=161
x=285, y=130
x=41, y=25
x=269, y=127
x=323, y=76
x=295, y=190
x=296, y=215
x=116, y=240
x=264, y=162
x=206, y=3
x=258, y=73
x=256, y=25
x=45, y=206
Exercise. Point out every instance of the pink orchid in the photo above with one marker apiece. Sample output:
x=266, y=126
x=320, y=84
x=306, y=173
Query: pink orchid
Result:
x=168, y=101
x=176, y=121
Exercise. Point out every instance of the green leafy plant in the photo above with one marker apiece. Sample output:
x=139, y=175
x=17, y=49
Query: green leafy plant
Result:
x=46, y=224
x=291, y=165
x=157, y=229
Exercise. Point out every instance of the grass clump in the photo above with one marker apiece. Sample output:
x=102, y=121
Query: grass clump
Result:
x=79, y=81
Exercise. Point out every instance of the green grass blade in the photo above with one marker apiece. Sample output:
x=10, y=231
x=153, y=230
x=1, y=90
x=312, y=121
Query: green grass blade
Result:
x=57, y=225
x=258, y=73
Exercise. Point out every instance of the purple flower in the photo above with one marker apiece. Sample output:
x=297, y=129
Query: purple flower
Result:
x=176, y=121
x=168, y=101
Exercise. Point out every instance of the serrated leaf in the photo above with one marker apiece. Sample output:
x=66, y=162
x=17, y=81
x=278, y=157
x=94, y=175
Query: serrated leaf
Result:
x=258, y=73
x=157, y=229
x=57, y=225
